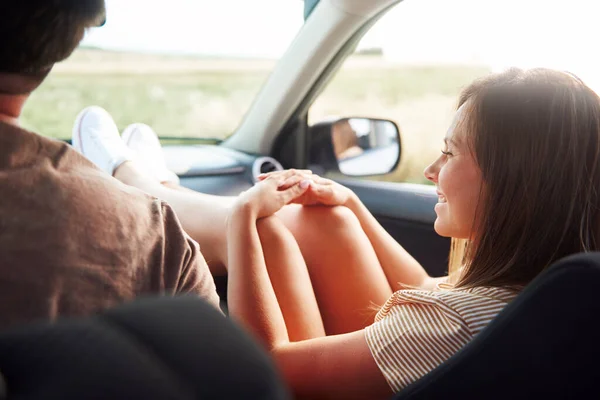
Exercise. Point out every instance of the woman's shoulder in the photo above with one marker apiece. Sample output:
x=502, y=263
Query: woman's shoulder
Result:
x=418, y=329
x=446, y=292
x=476, y=306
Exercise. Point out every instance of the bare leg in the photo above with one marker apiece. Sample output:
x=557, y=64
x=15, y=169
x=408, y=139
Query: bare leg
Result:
x=349, y=283
x=204, y=219
x=291, y=282
x=347, y=278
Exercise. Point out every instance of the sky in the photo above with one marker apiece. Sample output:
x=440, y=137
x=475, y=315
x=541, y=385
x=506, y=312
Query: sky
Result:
x=499, y=33
x=262, y=28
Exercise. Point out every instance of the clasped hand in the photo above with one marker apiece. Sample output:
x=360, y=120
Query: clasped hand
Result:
x=277, y=189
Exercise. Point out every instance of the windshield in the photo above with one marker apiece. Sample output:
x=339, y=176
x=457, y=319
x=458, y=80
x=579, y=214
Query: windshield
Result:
x=188, y=68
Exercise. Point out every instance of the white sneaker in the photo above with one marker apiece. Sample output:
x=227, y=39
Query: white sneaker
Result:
x=96, y=136
x=144, y=142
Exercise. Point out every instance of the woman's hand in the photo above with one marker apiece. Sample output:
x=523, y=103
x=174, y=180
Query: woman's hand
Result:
x=321, y=191
x=272, y=193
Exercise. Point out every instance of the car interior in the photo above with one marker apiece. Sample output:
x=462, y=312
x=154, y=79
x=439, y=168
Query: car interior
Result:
x=275, y=134
x=150, y=349
x=542, y=345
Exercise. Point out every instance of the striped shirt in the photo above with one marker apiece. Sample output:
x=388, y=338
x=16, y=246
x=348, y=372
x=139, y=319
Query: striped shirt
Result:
x=416, y=330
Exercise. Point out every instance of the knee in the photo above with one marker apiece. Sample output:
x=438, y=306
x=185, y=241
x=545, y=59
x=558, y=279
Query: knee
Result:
x=334, y=219
x=270, y=228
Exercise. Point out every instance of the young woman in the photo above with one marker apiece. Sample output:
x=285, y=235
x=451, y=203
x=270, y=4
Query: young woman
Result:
x=517, y=184
x=517, y=181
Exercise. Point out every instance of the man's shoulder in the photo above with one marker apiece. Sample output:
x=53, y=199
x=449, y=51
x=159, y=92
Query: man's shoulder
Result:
x=22, y=148
x=27, y=157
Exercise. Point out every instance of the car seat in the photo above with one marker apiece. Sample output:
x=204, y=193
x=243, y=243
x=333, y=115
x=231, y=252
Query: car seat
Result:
x=156, y=348
x=544, y=345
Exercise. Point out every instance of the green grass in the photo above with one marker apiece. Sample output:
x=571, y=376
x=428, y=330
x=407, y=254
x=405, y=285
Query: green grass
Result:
x=208, y=105
x=394, y=85
x=207, y=98
x=420, y=99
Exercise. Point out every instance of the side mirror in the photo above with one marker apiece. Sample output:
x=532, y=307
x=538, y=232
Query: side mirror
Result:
x=354, y=146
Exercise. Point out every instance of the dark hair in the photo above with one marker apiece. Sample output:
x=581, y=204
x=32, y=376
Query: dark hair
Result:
x=36, y=34
x=535, y=135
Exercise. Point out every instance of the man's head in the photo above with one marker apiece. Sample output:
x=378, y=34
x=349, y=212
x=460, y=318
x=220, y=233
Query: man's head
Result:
x=36, y=34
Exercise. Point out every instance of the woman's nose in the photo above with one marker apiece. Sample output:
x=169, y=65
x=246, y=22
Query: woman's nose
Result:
x=431, y=172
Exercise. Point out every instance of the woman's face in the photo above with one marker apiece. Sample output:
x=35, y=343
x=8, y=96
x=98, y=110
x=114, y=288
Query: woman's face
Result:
x=458, y=181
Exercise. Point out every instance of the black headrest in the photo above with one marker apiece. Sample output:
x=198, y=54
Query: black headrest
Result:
x=163, y=348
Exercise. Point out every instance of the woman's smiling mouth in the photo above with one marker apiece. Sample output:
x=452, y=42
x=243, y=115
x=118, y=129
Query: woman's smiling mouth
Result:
x=441, y=198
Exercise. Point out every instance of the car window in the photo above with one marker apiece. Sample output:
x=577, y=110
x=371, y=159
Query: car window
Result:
x=413, y=63
x=188, y=68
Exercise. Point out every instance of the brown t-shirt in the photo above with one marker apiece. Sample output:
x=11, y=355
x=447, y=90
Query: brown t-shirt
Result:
x=74, y=240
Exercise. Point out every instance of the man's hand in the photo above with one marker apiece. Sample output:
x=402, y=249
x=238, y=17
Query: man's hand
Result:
x=321, y=191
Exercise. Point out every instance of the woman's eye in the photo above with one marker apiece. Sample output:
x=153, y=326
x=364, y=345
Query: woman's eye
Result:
x=446, y=153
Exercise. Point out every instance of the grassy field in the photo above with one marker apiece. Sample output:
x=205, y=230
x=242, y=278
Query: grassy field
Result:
x=421, y=100
x=207, y=98
x=178, y=96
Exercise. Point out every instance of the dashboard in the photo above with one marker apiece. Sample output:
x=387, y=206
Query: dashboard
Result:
x=217, y=170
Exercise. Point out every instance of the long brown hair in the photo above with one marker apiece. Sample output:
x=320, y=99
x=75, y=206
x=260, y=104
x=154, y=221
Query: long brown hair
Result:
x=536, y=137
